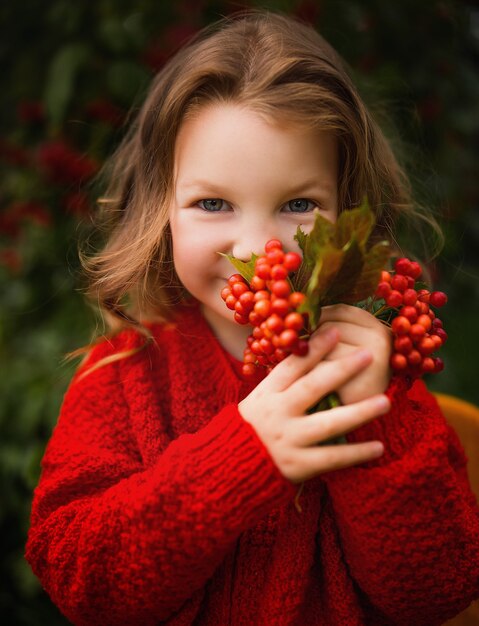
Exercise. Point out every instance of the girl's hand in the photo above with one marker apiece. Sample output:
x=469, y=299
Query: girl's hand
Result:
x=359, y=329
x=277, y=407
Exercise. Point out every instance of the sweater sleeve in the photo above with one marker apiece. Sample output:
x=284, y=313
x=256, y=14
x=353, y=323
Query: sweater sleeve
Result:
x=117, y=541
x=409, y=522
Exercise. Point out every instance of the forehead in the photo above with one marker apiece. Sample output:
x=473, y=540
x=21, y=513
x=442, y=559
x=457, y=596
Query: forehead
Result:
x=234, y=141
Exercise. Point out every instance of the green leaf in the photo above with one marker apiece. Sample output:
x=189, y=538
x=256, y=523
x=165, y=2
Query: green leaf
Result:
x=357, y=223
x=374, y=261
x=246, y=269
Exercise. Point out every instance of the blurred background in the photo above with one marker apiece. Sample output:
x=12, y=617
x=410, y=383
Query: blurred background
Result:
x=72, y=71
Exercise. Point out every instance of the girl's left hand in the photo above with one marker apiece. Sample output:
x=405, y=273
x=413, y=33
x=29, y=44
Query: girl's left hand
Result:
x=359, y=329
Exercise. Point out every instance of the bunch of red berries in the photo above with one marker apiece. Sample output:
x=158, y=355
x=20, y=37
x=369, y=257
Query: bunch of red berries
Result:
x=417, y=332
x=270, y=305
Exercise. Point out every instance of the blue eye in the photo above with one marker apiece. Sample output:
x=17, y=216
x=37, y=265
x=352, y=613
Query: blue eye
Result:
x=300, y=205
x=212, y=204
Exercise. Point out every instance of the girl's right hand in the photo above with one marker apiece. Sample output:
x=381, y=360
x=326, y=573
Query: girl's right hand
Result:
x=277, y=407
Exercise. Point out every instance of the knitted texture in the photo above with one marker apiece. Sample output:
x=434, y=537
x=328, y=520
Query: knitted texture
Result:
x=159, y=504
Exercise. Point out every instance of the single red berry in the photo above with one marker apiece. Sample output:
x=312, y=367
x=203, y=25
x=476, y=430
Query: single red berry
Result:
x=394, y=299
x=257, y=283
x=294, y=321
x=239, y=308
x=254, y=318
x=247, y=300
x=230, y=301
x=281, y=288
x=302, y=348
x=410, y=282
x=279, y=272
x=422, y=308
x=275, y=323
x=263, y=308
x=398, y=362
x=263, y=271
x=409, y=312
x=428, y=365
x=438, y=365
x=292, y=261
x=403, y=266
x=275, y=256
x=437, y=342
x=417, y=332
x=249, y=357
x=262, y=294
x=401, y=325
x=414, y=357
x=280, y=354
x=267, y=346
x=289, y=338
x=241, y=319
x=399, y=283
x=280, y=306
x=248, y=370
x=238, y=288
x=257, y=333
x=256, y=347
x=425, y=321
x=426, y=346
x=423, y=295
x=440, y=332
x=438, y=298
x=410, y=297
x=272, y=244
x=403, y=344
x=235, y=278
x=415, y=270
x=436, y=323
x=383, y=290
x=296, y=299
x=225, y=292
x=385, y=277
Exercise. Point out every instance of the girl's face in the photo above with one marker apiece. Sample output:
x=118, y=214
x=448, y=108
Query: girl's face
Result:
x=239, y=181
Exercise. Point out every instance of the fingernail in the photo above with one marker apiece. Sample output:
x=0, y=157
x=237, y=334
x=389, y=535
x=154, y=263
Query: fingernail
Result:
x=383, y=403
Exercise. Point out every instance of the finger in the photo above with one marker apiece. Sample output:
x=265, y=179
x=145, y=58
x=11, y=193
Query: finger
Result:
x=294, y=367
x=323, y=425
x=325, y=378
x=347, y=313
x=321, y=459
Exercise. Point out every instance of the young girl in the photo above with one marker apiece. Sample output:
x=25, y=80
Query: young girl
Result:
x=168, y=488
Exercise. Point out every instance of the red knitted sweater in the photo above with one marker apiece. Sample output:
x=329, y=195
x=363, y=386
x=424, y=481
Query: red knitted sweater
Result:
x=159, y=504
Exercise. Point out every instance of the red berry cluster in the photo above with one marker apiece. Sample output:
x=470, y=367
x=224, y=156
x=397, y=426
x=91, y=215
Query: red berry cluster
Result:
x=270, y=305
x=416, y=330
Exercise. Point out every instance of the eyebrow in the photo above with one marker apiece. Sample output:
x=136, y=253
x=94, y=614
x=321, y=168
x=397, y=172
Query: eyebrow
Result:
x=313, y=183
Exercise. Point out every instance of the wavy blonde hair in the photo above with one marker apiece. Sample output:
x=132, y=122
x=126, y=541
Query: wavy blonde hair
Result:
x=278, y=67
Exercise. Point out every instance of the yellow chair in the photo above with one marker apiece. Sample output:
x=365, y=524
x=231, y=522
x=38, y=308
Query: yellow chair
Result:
x=464, y=419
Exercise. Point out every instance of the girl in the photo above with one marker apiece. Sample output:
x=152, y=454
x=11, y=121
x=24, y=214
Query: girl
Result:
x=168, y=487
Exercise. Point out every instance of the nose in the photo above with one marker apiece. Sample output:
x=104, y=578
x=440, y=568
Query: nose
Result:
x=250, y=237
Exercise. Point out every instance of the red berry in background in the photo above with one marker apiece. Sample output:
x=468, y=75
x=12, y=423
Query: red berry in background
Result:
x=275, y=256
x=417, y=332
x=385, y=277
x=280, y=306
x=415, y=270
x=440, y=332
x=414, y=357
x=263, y=271
x=235, y=278
x=438, y=298
x=288, y=338
x=241, y=319
x=439, y=365
x=409, y=312
x=230, y=301
x=428, y=365
x=423, y=295
x=426, y=346
x=238, y=288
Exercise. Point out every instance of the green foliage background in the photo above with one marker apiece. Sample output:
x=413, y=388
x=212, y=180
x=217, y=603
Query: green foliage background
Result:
x=71, y=71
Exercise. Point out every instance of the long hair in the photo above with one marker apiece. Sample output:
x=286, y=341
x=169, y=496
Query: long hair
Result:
x=276, y=66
